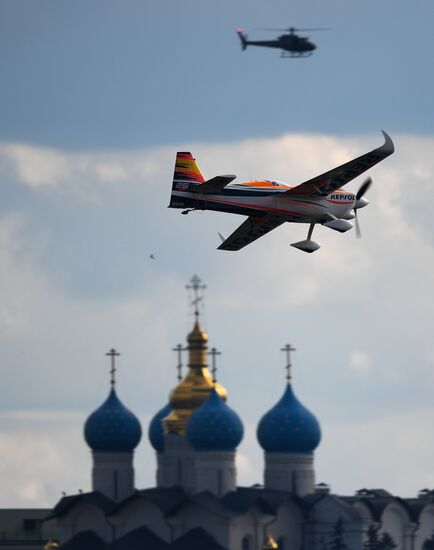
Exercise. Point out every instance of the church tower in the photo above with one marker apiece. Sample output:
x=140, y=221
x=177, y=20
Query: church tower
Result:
x=289, y=433
x=113, y=432
x=196, y=433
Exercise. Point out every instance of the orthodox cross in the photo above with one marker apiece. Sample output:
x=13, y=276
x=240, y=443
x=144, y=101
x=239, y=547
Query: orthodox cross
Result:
x=288, y=348
x=196, y=286
x=213, y=352
x=179, y=349
x=112, y=353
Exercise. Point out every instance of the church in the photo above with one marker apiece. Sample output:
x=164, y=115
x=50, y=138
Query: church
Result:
x=196, y=502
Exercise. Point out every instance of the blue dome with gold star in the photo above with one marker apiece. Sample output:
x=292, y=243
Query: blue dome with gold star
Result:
x=112, y=428
x=289, y=427
x=214, y=426
x=155, y=430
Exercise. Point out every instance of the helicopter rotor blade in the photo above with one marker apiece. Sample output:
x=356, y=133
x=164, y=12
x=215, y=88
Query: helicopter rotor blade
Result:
x=316, y=29
x=293, y=29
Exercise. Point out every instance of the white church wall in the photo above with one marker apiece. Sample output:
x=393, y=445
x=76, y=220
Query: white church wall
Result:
x=248, y=531
x=113, y=475
x=176, y=465
x=84, y=517
x=215, y=472
x=141, y=513
x=240, y=528
x=426, y=526
x=323, y=518
x=394, y=521
x=292, y=472
x=288, y=526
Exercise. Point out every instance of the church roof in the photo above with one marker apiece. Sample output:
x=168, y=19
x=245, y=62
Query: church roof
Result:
x=167, y=499
x=95, y=498
x=195, y=539
x=139, y=539
x=377, y=500
x=86, y=540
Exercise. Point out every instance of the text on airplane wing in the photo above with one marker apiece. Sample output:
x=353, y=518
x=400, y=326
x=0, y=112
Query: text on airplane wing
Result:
x=334, y=179
x=250, y=230
x=214, y=185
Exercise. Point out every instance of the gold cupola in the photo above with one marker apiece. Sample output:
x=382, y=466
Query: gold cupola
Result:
x=195, y=387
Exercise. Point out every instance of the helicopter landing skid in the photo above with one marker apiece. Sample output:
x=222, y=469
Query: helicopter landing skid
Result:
x=292, y=55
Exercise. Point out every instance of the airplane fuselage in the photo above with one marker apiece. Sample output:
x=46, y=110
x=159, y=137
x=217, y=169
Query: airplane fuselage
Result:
x=259, y=198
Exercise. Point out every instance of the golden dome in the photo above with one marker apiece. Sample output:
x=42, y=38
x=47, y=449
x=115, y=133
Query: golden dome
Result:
x=196, y=386
x=270, y=544
x=51, y=545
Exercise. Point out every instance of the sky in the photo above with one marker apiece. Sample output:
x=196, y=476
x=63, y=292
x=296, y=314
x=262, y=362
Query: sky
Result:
x=96, y=99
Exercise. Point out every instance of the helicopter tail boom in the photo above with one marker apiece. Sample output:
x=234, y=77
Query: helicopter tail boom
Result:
x=243, y=38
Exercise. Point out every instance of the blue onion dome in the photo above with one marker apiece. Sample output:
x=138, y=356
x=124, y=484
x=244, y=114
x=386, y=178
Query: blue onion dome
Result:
x=112, y=428
x=214, y=426
x=155, y=430
x=289, y=427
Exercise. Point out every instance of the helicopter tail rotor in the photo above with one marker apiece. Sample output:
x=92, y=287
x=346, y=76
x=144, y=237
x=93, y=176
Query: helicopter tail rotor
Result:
x=243, y=38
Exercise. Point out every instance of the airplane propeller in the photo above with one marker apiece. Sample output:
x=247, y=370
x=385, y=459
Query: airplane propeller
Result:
x=362, y=190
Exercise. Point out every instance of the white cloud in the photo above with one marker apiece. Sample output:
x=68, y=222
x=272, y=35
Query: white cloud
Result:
x=36, y=166
x=360, y=361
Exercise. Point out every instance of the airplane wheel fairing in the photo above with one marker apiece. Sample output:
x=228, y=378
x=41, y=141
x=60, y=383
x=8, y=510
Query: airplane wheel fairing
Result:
x=307, y=246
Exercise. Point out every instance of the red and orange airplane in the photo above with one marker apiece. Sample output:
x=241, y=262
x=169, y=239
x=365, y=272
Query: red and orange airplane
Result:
x=268, y=204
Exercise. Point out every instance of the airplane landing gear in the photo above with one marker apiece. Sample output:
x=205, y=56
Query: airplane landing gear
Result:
x=308, y=245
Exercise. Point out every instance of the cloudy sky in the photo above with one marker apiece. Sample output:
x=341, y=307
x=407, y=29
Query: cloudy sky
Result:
x=96, y=99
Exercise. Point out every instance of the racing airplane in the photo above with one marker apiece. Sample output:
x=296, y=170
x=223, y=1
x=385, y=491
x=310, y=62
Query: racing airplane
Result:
x=269, y=204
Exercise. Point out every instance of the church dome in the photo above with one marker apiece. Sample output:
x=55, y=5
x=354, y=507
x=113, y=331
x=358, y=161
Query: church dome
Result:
x=112, y=428
x=214, y=426
x=289, y=427
x=155, y=430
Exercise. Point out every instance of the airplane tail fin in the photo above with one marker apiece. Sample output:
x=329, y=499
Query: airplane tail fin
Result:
x=186, y=174
x=243, y=38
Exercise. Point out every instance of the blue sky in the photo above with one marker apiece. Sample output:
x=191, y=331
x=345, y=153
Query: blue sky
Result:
x=96, y=99
x=109, y=74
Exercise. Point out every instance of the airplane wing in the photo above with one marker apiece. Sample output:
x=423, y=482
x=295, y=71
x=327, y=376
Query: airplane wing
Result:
x=214, y=185
x=328, y=182
x=250, y=230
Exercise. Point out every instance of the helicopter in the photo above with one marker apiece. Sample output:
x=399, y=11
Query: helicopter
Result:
x=291, y=44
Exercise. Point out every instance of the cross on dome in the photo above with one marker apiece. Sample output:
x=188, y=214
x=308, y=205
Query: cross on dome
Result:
x=113, y=354
x=196, y=286
x=288, y=348
x=213, y=352
x=179, y=348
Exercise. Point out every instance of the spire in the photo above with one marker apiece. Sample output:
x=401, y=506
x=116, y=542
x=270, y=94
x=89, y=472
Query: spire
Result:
x=288, y=348
x=194, y=389
x=113, y=354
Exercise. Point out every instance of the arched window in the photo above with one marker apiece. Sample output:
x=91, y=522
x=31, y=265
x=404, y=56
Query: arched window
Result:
x=246, y=543
x=281, y=541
